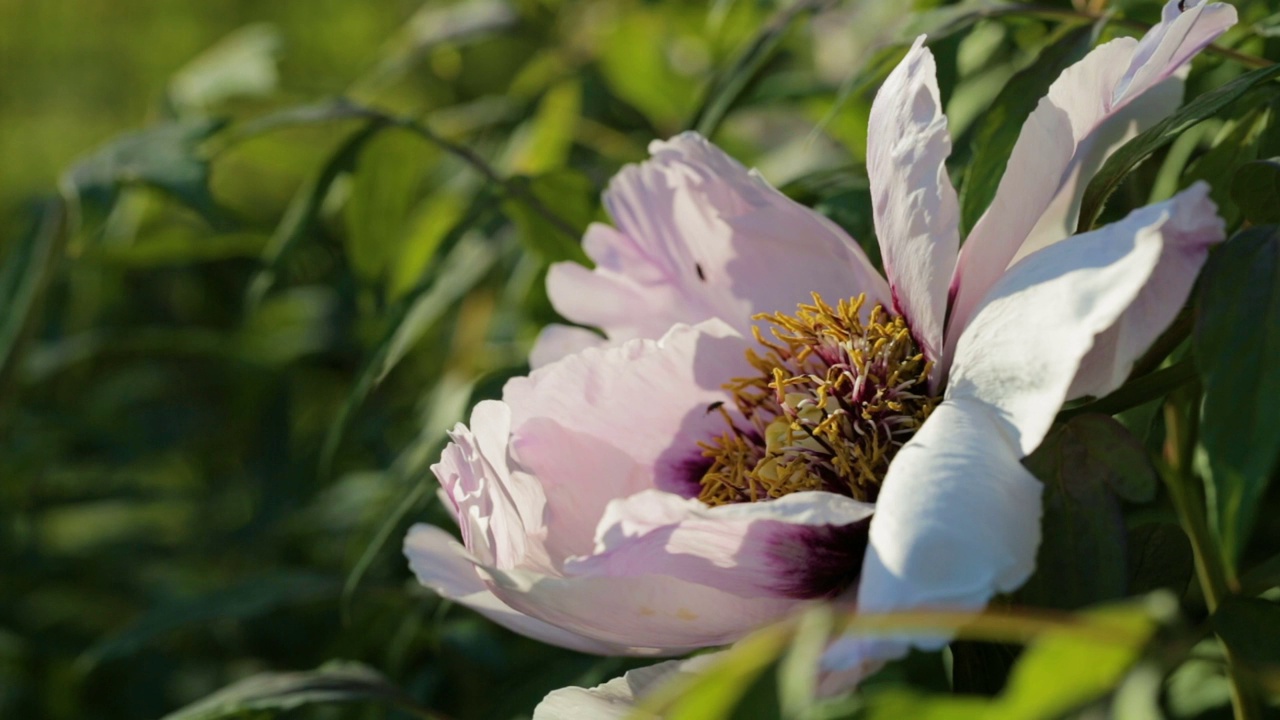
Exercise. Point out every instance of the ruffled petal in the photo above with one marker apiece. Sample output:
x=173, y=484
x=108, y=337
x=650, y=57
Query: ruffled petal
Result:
x=917, y=215
x=1029, y=336
x=957, y=520
x=444, y=566
x=608, y=423
x=557, y=341
x=618, y=698
x=1078, y=103
x=1193, y=227
x=698, y=237
x=499, y=512
x=804, y=545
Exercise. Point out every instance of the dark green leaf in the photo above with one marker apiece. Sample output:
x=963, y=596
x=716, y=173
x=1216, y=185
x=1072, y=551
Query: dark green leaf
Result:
x=1000, y=125
x=298, y=218
x=166, y=156
x=1237, y=348
x=334, y=682
x=1087, y=465
x=1128, y=156
x=244, y=600
x=1256, y=190
x=1236, y=144
x=1160, y=557
x=981, y=668
x=23, y=278
x=1250, y=627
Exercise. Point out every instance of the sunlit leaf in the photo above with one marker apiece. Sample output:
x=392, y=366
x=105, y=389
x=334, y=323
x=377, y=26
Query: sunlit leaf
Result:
x=574, y=198
x=1237, y=348
x=241, y=64
x=383, y=191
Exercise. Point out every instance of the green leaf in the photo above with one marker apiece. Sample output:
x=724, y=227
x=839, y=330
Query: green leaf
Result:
x=1087, y=466
x=1128, y=156
x=573, y=196
x=303, y=208
x=1060, y=671
x=545, y=143
x=1160, y=557
x=241, y=64
x=24, y=276
x=998, y=129
x=717, y=689
x=1256, y=191
x=247, y=599
x=383, y=191
x=1235, y=144
x=167, y=156
x=334, y=682
x=1237, y=348
x=1250, y=627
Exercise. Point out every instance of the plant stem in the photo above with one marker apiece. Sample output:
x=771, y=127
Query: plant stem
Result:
x=1181, y=430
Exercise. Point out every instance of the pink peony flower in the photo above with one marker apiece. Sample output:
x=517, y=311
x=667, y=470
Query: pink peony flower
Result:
x=720, y=458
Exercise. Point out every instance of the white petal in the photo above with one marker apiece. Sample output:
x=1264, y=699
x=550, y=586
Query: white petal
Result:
x=957, y=520
x=1026, y=343
x=916, y=213
x=1193, y=227
x=698, y=237
x=1078, y=104
x=804, y=545
x=1060, y=218
x=557, y=341
x=608, y=423
x=618, y=698
x=443, y=565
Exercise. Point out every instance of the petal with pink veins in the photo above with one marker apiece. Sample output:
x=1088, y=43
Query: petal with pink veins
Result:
x=917, y=215
x=557, y=341
x=611, y=422
x=698, y=237
x=1079, y=103
x=804, y=545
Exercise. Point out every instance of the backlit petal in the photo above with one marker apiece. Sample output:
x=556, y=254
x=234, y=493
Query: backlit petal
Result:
x=916, y=212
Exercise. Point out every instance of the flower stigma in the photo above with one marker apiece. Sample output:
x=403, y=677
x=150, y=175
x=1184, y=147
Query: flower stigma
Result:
x=832, y=402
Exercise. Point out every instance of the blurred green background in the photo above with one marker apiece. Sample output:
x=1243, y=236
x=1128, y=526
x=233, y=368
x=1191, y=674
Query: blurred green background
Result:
x=259, y=257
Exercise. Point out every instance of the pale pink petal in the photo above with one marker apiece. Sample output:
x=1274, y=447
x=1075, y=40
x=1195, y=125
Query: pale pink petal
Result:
x=1060, y=218
x=804, y=545
x=444, y=566
x=499, y=513
x=556, y=341
x=698, y=237
x=916, y=213
x=619, y=698
x=1078, y=103
x=1024, y=347
x=957, y=520
x=611, y=422
x=1193, y=228
x=658, y=612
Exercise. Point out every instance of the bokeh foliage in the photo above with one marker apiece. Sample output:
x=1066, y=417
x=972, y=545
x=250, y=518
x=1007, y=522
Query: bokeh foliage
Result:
x=258, y=257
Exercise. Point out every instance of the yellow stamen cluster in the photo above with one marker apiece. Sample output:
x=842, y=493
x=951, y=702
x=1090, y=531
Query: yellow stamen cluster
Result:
x=832, y=403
